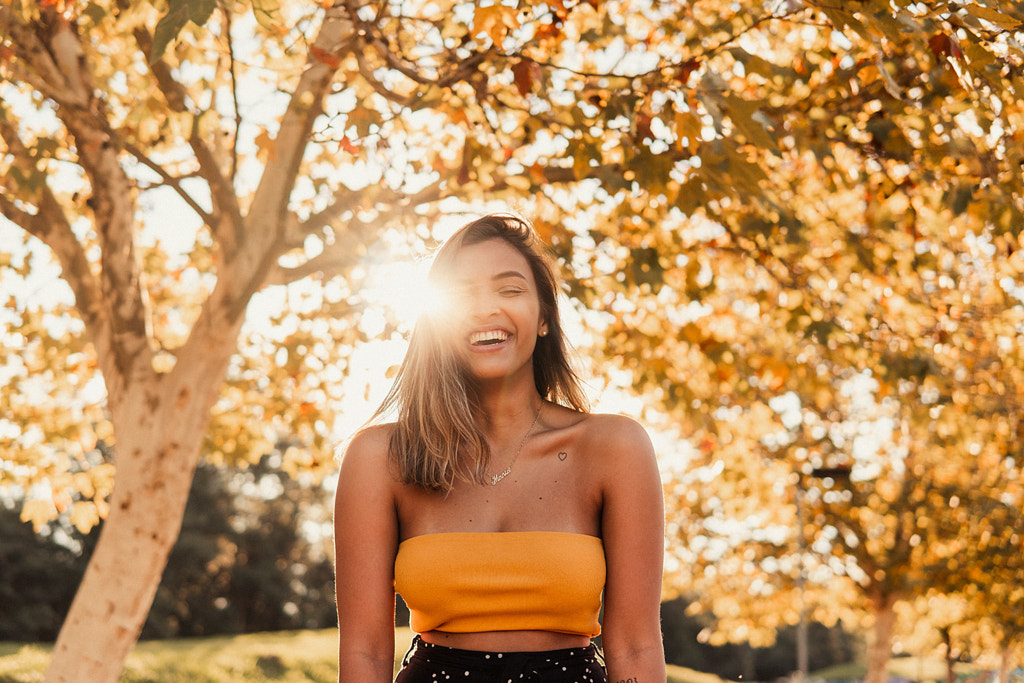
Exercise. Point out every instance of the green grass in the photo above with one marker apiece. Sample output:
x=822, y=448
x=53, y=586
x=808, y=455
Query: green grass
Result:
x=678, y=674
x=282, y=657
x=312, y=657
x=22, y=663
x=909, y=668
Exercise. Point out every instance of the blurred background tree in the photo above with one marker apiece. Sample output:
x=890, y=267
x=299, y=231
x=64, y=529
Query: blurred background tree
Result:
x=791, y=228
x=254, y=555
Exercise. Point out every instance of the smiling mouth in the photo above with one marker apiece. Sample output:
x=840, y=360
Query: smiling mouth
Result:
x=488, y=338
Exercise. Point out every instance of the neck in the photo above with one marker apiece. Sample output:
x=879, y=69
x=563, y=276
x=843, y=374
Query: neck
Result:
x=506, y=409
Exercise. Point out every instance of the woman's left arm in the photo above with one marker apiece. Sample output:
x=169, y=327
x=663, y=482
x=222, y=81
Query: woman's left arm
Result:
x=633, y=530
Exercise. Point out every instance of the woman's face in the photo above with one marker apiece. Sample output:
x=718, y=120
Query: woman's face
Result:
x=495, y=310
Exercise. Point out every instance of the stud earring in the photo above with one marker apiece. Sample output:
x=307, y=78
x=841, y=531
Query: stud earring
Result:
x=543, y=333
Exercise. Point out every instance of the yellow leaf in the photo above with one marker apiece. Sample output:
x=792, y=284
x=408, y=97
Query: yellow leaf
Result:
x=518, y=182
x=87, y=438
x=83, y=484
x=39, y=512
x=267, y=145
x=84, y=515
x=1001, y=20
x=103, y=476
x=105, y=432
x=496, y=21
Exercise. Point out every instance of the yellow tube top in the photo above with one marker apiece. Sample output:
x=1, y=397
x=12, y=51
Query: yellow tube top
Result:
x=469, y=582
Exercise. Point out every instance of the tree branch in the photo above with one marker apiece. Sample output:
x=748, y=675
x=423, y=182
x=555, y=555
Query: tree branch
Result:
x=233, y=64
x=351, y=243
x=366, y=72
x=50, y=226
x=226, y=221
x=344, y=200
x=168, y=180
x=113, y=205
x=332, y=259
x=263, y=235
x=57, y=72
x=270, y=204
x=348, y=200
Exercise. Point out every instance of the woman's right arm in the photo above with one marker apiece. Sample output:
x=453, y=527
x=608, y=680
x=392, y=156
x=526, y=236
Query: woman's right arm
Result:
x=365, y=544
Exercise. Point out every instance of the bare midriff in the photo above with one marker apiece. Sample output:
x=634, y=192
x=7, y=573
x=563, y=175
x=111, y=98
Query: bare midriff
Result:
x=507, y=641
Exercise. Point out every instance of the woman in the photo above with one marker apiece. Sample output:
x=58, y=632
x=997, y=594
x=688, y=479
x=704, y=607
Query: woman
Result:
x=496, y=504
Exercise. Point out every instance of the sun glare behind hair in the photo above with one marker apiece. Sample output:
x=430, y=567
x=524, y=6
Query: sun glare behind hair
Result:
x=404, y=289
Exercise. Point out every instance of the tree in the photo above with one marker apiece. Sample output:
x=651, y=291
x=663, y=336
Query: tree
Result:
x=40, y=576
x=717, y=152
x=245, y=561
x=987, y=620
x=159, y=394
x=861, y=310
x=253, y=555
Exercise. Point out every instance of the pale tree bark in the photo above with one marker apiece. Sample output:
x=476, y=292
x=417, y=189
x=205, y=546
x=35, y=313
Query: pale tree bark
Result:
x=880, y=644
x=159, y=419
x=159, y=428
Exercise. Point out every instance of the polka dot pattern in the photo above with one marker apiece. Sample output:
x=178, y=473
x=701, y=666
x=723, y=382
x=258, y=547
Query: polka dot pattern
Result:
x=429, y=663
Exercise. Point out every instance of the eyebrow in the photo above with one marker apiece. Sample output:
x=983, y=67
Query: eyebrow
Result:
x=509, y=273
x=504, y=275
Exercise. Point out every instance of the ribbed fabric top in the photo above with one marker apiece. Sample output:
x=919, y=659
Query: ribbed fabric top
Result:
x=469, y=582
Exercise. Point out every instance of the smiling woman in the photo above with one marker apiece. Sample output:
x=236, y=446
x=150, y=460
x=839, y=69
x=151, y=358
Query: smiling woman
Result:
x=497, y=505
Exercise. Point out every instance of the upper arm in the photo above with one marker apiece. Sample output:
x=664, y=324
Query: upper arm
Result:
x=365, y=544
x=633, y=530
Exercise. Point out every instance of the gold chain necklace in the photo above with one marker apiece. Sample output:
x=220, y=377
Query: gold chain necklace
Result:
x=495, y=478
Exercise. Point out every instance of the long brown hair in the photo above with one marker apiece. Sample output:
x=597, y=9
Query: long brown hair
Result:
x=436, y=440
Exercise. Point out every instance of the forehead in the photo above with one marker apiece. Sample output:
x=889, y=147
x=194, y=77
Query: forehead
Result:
x=488, y=260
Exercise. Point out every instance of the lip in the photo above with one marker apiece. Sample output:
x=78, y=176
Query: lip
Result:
x=497, y=333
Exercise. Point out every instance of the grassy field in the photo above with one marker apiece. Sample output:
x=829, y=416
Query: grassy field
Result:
x=283, y=657
x=907, y=668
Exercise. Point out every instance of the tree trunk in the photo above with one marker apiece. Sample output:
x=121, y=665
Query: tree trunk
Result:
x=879, y=649
x=160, y=430
x=947, y=639
x=1006, y=656
x=160, y=420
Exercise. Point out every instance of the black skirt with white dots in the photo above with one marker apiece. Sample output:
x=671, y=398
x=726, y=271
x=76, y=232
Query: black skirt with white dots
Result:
x=429, y=663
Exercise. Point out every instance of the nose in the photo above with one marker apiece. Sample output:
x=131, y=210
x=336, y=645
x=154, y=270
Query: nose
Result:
x=481, y=304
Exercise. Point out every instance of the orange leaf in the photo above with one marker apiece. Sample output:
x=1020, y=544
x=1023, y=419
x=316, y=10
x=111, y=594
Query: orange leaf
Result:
x=643, y=126
x=687, y=68
x=346, y=145
x=537, y=174
x=325, y=57
x=266, y=144
x=522, y=73
x=496, y=21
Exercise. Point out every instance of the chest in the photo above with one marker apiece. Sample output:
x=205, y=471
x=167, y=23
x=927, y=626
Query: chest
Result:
x=552, y=486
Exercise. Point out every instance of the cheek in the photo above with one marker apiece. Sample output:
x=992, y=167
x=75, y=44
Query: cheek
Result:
x=445, y=333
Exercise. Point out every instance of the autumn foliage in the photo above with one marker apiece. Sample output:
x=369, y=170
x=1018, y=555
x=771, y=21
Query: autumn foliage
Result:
x=793, y=229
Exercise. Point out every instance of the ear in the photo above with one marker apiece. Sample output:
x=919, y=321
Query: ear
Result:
x=542, y=330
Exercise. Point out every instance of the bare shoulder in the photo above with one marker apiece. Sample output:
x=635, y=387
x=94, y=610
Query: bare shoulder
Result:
x=618, y=449
x=617, y=434
x=364, y=500
x=365, y=457
x=368, y=441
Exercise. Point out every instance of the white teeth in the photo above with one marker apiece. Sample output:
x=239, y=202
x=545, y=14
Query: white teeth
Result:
x=490, y=336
